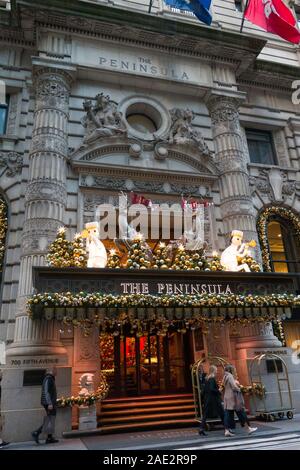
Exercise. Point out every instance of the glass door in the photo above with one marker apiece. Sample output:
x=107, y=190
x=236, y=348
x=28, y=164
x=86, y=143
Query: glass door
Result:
x=150, y=356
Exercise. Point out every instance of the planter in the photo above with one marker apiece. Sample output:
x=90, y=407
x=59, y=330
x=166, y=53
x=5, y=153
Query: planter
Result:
x=49, y=313
x=91, y=313
x=60, y=313
x=80, y=313
x=141, y=313
x=170, y=313
x=70, y=312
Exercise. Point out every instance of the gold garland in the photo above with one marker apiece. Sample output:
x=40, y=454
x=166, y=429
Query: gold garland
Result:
x=256, y=389
x=97, y=299
x=88, y=399
x=3, y=229
x=159, y=313
x=262, y=229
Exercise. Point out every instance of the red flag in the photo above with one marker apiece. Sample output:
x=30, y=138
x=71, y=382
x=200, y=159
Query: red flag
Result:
x=275, y=17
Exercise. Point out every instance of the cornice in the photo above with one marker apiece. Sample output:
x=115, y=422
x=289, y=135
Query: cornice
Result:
x=136, y=173
x=143, y=29
x=269, y=75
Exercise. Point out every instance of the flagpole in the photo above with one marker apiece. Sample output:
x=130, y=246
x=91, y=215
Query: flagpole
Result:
x=243, y=20
x=150, y=6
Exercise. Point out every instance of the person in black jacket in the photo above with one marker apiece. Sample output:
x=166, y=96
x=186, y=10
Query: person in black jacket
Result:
x=2, y=443
x=48, y=400
x=212, y=399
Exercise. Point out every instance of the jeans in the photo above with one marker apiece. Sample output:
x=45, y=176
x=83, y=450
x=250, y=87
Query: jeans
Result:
x=48, y=426
x=229, y=418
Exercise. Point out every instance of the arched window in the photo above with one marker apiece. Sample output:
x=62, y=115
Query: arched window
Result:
x=281, y=247
x=3, y=230
x=279, y=234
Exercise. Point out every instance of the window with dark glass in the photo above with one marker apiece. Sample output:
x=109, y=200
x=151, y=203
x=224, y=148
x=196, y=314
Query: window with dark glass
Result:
x=238, y=5
x=282, y=248
x=142, y=123
x=261, y=147
x=3, y=115
x=297, y=11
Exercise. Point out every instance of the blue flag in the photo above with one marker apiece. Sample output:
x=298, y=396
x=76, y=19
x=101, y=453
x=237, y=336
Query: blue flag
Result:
x=200, y=8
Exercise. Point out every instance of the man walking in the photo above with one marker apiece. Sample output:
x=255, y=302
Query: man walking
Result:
x=48, y=400
x=2, y=443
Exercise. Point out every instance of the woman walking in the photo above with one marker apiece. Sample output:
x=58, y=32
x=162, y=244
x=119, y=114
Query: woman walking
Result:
x=233, y=402
x=212, y=399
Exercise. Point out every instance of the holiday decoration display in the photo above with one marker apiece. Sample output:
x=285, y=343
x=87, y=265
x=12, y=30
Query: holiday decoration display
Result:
x=97, y=256
x=162, y=256
x=215, y=263
x=79, y=255
x=141, y=311
x=139, y=254
x=189, y=259
x=279, y=331
x=87, y=399
x=60, y=253
x=107, y=351
x=251, y=263
x=3, y=229
x=237, y=249
x=256, y=389
x=114, y=259
x=262, y=229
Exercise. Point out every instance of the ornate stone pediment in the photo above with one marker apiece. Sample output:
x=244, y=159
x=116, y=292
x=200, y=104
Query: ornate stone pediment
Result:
x=177, y=145
x=130, y=153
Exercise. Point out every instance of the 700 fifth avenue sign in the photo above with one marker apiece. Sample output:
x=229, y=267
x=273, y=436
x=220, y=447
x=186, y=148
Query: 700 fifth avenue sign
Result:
x=127, y=281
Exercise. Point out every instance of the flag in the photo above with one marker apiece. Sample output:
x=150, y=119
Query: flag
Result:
x=275, y=17
x=200, y=8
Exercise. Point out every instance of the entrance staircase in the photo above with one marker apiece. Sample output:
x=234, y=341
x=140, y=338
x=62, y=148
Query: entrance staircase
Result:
x=146, y=413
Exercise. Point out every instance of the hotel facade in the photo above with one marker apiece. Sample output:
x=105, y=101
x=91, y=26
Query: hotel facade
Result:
x=62, y=64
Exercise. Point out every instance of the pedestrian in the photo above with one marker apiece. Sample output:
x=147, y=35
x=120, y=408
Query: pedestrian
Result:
x=2, y=443
x=48, y=400
x=234, y=403
x=212, y=399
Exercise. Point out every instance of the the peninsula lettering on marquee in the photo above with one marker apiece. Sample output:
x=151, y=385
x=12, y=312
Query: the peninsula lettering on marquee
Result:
x=170, y=288
x=145, y=66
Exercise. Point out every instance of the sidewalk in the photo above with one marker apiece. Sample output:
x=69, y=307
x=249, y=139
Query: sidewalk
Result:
x=163, y=439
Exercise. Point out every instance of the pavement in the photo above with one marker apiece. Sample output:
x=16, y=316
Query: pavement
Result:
x=285, y=431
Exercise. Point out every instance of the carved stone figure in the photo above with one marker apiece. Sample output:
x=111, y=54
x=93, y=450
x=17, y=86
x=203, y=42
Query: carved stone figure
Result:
x=86, y=384
x=102, y=119
x=12, y=162
x=182, y=130
x=229, y=257
x=95, y=248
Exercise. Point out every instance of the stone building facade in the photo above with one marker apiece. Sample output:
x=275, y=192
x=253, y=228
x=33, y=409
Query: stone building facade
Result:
x=57, y=164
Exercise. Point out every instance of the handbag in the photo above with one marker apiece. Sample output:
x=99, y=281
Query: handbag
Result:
x=239, y=401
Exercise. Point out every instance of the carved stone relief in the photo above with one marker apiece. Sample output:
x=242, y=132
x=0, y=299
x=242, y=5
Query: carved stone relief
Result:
x=184, y=132
x=46, y=189
x=12, y=162
x=102, y=119
x=104, y=182
x=273, y=184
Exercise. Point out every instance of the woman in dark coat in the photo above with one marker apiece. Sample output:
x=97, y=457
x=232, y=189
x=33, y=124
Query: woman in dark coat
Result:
x=212, y=399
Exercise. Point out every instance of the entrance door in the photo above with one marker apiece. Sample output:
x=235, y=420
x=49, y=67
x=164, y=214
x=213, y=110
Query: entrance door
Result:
x=148, y=364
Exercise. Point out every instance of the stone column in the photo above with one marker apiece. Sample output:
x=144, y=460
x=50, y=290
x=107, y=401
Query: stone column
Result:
x=230, y=157
x=237, y=208
x=45, y=201
x=37, y=343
